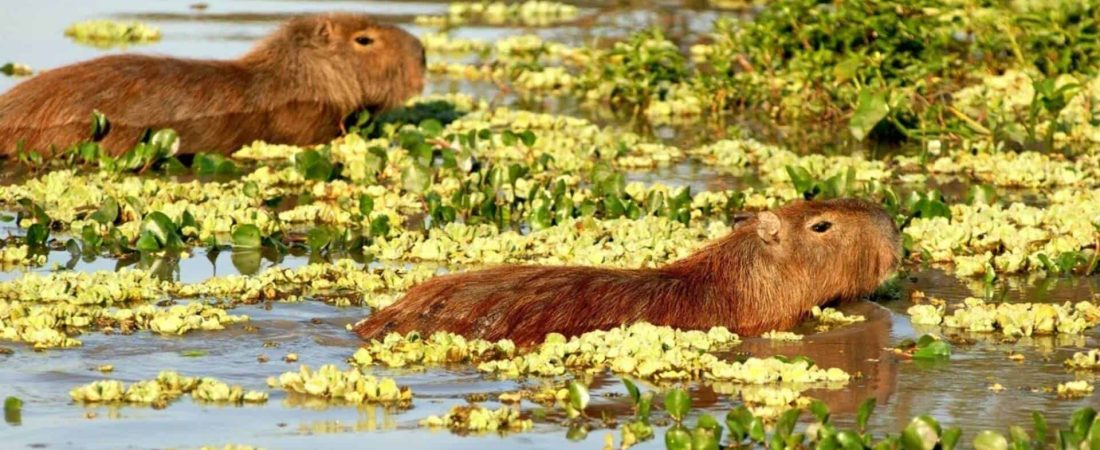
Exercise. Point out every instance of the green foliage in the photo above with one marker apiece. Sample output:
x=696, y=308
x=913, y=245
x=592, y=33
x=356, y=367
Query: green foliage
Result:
x=212, y=164
x=315, y=165
x=440, y=113
x=13, y=411
x=640, y=68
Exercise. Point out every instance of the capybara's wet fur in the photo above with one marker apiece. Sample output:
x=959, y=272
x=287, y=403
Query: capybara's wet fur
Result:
x=766, y=274
x=295, y=87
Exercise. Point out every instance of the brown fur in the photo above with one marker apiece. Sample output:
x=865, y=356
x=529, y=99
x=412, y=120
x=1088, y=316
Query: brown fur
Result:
x=294, y=87
x=755, y=279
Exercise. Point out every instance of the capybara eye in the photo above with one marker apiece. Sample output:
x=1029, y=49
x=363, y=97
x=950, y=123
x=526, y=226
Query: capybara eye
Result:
x=364, y=41
x=822, y=226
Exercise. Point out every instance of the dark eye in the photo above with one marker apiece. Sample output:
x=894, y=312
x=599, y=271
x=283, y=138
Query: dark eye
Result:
x=821, y=227
x=364, y=41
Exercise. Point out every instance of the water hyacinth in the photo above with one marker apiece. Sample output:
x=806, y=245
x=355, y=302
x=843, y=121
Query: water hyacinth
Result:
x=781, y=336
x=528, y=12
x=640, y=350
x=831, y=317
x=166, y=387
x=1089, y=360
x=350, y=385
x=338, y=279
x=1010, y=238
x=473, y=418
x=1074, y=389
x=18, y=256
x=108, y=33
x=1012, y=319
x=180, y=319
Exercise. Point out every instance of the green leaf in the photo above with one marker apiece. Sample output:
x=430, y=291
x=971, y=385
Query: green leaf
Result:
x=784, y=426
x=527, y=137
x=645, y=404
x=193, y=353
x=801, y=179
x=380, y=226
x=849, y=440
x=166, y=142
x=251, y=189
x=366, y=205
x=739, y=421
x=756, y=429
x=211, y=164
x=677, y=438
x=37, y=235
x=100, y=126
x=847, y=69
x=934, y=350
x=431, y=127
x=1018, y=436
x=320, y=238
x=677, y=403
x=313, y=165
x=707, y=433
x=147, y=242
x=820, y=410
x=12, y=404
x=163, y=229
x=990, y=440
x=246, y=260
x=1080, y=421
x=704, y=439
x=632, y=389
x=870, y=110
x=375, y=159
x=981, y=194
x=13, y=411
x=578, y=395
x=1040, y=424
x=416, y=178
x=950, y=438
x=247, y=236
x=922, y=433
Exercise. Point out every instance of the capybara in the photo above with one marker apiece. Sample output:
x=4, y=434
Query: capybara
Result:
x=294, y=87
x=766, y=274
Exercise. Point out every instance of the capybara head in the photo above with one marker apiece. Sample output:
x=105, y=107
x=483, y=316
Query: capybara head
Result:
x=379, y=65
x=844, y=247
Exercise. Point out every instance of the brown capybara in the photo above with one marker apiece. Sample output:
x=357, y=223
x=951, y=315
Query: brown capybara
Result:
x=766, y=274
x=295, y=87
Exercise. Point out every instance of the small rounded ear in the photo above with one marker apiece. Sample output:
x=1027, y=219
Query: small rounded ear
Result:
x=325, y=31
x=767, y=227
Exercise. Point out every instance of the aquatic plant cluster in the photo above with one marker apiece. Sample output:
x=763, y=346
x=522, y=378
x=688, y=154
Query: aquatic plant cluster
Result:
x=956, y=71
x=450, y=183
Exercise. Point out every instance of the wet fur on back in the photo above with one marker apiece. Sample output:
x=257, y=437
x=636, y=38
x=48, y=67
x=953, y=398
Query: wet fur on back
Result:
x=746, y=281
x=294, y=87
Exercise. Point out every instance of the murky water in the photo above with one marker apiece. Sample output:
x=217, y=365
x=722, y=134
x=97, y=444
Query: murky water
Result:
x=956, y=392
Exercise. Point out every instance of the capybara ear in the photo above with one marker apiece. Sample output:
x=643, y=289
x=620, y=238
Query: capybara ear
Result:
x=767, y=226
x=325, y=31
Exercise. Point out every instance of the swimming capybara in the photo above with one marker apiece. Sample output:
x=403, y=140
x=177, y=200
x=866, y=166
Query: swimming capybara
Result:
x=295, y=87
x=766, y=274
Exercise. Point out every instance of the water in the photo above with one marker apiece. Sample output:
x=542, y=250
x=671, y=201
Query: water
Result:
x=956, y=392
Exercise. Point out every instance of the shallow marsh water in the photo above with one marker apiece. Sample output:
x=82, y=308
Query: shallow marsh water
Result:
x=955, y=392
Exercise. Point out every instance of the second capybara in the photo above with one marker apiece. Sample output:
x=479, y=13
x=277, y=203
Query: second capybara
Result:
x=294, y=87
x=766, y=274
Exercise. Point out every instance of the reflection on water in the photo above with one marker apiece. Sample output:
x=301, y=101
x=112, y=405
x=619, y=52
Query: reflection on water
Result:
x=956, y=392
